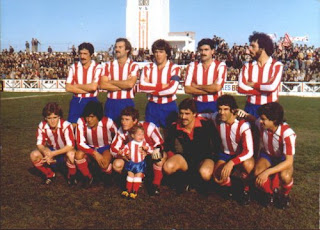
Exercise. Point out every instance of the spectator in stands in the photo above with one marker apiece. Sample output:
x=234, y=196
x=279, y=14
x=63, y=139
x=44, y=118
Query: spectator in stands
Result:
x=49, y=50
x=234, y=57
x=27, y=47
x=11, y=50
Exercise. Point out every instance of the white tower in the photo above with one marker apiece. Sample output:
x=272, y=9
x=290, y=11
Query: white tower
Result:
x=146, y=21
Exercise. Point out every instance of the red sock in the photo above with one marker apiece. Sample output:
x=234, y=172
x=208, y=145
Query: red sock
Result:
x=227, y=182
x=83, y=167
x=46, y=171
x=245, y=179
x=129, y=185
x=275, y=181
x=287, y=188
x=71, y=169
x=157, y=171
x=136, y=183
x=267, y=186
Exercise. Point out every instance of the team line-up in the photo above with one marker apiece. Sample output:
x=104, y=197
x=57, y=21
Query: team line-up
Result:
x=203, y=140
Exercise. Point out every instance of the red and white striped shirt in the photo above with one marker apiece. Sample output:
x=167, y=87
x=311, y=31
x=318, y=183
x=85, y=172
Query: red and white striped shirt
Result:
x=157, y=77
x=216, y=73
x=133, y=149
x=236, y=139
x=79, y=75
x=57, y=139
x=266, y=78
x=117, y=73
x=88, y=139
x=152, y=136
x=280, y=143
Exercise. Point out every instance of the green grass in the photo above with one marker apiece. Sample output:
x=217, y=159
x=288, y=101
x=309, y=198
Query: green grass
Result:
x=25, y=203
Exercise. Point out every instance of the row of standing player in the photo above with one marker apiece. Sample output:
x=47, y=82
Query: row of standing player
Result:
x=259, y=80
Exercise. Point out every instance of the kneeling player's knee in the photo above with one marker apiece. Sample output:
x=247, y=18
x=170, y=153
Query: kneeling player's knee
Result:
x=79, y=155
x=248, y=165
x=71, y=155
x=169, y=167
x=117, y=166
x=286, y=177
x=205, y=173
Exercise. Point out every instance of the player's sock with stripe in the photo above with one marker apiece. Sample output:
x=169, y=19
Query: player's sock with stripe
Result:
x=157, y=171
x=129, y=185
x=46, y=171
x=136, y=183
x=83, y=167
x=287, y=188
x=71, y=169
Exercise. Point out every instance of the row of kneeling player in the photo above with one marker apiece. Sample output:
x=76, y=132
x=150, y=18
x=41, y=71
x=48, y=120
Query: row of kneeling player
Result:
x=198, y=149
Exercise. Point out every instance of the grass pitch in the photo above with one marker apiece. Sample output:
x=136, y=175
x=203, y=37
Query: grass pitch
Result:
x=25, y=203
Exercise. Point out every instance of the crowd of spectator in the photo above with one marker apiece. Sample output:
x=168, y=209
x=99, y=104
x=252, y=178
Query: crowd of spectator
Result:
x=301, y=62
x=34, y=65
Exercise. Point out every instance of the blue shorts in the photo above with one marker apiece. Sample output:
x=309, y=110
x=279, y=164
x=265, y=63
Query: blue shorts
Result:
x=206, y=107
x=252, y=109
x=59, y=160
x=77, y=105
x=225, y=157
x=114, y=107
x=162, y=115
x=102, y=149
x=136, y=167
x=272, y=160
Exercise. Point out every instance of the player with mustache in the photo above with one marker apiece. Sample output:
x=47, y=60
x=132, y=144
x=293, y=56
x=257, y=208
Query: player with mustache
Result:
x=205, y=79
x=190, y=146
x=82, y=81
x=119, y=78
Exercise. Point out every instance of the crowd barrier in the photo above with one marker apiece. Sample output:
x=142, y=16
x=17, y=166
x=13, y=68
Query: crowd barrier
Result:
x=305, y=89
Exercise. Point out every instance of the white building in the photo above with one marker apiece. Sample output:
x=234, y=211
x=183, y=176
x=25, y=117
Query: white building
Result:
x=148, y=20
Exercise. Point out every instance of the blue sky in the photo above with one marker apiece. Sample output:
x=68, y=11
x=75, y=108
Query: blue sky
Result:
x=62, y=23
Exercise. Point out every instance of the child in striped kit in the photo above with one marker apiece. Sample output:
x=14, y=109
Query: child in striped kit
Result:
x=135, y=152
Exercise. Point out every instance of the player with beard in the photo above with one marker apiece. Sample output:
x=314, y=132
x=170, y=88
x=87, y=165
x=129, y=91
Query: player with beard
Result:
x=260, y=79
x=205, y=79
x=119, y=78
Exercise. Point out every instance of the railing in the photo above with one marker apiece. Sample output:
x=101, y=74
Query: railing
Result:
x=305, y=89
x=11, y=85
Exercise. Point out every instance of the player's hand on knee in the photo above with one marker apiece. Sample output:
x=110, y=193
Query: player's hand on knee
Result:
x=262, y=178
x=156, y=154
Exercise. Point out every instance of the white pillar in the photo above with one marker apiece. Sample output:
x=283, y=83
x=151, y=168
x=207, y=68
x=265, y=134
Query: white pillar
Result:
x=146, y=21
